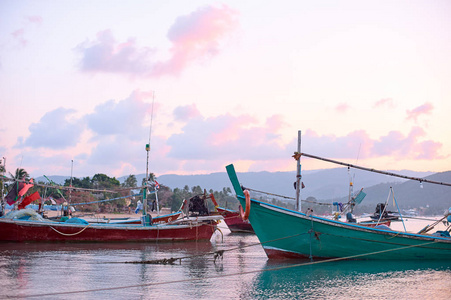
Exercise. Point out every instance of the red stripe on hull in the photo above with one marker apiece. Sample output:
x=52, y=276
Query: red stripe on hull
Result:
x=234, y=221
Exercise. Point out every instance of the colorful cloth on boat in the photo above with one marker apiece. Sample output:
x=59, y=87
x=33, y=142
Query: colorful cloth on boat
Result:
x=17, y=191
x=27, y=200
x=13, y=194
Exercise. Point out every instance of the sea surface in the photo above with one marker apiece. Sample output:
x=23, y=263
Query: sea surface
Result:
x=130, y=271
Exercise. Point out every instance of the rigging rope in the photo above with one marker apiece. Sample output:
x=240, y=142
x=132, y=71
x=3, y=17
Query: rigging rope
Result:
x=106, y=200
x=375, y=171
x=76, y=188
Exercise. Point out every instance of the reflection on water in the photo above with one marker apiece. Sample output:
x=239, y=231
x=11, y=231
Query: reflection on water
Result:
x=36, y=269
x=355, y=280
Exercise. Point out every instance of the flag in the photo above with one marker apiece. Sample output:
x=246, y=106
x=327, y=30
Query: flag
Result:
x=26, y=187
x=17, y=191
x=27, y=200
x=157, y=185
x=13, y=194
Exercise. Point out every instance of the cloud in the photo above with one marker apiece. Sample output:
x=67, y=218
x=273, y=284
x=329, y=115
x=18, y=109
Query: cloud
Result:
x=123, y=118
x=226, y=137
x=194, y=37
x=55, y=130
x=342, y=107
x=35, y=19
x=355, y=144
x=185, y=113
x=197, y=36
x=359, y=144
x=385, y=102
x=425, y=109
x=19, y=34
x=106, y=55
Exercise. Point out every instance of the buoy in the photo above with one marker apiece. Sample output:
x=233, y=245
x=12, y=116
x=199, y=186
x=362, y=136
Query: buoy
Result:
x=245, y=214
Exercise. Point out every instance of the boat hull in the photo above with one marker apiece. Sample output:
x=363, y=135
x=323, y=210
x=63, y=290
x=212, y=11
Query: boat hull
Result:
x=285, y=233
x=290, y=234
x=234, y=221
x=36, y=231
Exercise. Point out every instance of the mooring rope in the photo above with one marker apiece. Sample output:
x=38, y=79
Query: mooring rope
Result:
x=70, y=234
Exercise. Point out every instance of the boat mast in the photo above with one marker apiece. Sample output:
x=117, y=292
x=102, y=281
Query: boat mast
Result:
x=71, y=171
x=2, y=204
x=146, y=182
x=298, y=175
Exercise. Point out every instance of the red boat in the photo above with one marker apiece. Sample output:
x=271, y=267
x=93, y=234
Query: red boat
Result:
x=233, y=218
x=15, y=230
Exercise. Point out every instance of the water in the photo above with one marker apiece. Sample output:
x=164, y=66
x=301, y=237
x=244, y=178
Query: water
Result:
x=98, y=271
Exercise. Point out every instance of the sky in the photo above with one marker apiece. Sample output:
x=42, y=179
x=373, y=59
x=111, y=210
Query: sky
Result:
x=85, y=85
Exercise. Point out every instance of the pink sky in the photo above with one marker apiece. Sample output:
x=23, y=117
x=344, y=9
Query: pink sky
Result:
x=229, y=82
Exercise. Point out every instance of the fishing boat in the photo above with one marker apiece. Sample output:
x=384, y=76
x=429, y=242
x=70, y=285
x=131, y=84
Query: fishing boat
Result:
x=77, y=230
x=27, y=225
x=286, y=233
x=234, y=221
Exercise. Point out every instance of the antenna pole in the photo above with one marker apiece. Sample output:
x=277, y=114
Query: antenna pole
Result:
x=298, y=175
x=71, y=171
x=2, y=204
x=146, y=218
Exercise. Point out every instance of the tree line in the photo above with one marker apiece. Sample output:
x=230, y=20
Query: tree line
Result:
x=128, y=192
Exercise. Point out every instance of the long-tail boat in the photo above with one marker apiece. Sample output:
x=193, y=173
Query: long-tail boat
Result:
x=286, y=233
x=26, y=225
x=233, y=218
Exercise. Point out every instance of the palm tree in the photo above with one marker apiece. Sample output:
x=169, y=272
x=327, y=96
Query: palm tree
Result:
x=20, y=174
x=130, y=181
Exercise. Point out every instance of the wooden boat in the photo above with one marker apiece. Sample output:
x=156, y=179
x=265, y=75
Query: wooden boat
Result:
x=286, y=233
x=41, y=230
x=234, y=221
x=26, y=225
x=232, y=218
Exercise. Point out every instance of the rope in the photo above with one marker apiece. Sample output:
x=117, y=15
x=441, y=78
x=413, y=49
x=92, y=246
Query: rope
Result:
x=71, y=234
x=221, y=276
x=75, y=188
x=290, y=198
x=286, y=197
x=376, y=171
x=106, y=200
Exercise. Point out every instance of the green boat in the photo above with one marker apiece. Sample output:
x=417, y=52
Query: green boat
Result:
x=286, y=233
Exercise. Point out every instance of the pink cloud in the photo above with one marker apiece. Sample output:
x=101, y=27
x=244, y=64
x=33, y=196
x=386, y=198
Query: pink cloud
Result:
x=106, y=55
x=35, y=19
x=19, y=34
x=386, y=102
x=194, y=37
x=355, y=144
x=360, y=144
x=425, y=109
x=225, y=138
x=197, y=36
x=342, y=107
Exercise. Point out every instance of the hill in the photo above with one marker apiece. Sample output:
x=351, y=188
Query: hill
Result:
x=410, y=194
x=327, y=185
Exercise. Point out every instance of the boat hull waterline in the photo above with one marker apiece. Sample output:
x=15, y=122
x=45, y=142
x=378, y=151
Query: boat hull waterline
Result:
x=286, y=233
x=36, y=231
